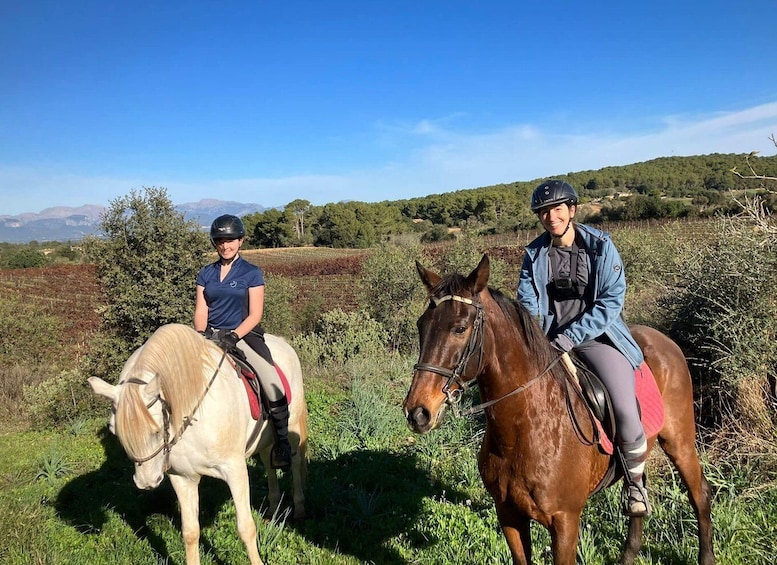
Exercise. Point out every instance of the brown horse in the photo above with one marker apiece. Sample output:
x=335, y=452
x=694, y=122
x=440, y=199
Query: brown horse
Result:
x=534, y=460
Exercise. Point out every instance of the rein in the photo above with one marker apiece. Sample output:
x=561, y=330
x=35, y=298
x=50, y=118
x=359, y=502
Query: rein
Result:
x=167, y=443
x=481, y=407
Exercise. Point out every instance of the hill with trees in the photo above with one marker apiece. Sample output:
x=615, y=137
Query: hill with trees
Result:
x=668, y=187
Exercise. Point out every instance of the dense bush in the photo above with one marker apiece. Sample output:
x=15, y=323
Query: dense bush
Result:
x=148, y=263
x=279, y=297
x=725, y=314
x=60, y=400
x=26, y=333
x=465, y=254
x=340, y=336
x=390, y=291
x=23, y=258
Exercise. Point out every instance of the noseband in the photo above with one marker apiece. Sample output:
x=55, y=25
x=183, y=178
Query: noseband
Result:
x=474, y=345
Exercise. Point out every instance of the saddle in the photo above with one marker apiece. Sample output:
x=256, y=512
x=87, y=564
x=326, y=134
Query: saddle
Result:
x=649, y=402
x=247, y=374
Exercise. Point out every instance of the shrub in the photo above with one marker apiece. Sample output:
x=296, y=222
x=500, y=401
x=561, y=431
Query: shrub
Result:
x=340, y=336
x=24, y=258
x=465, y=254
x=437, y=233
x=60, y=400
x=147, y=264
x=726, y=317
x=391, y=293
x=26, y=333
x=280, y=295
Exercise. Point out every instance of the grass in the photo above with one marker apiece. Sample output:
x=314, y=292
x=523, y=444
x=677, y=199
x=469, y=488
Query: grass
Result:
x=377, y=494
x=383, y=497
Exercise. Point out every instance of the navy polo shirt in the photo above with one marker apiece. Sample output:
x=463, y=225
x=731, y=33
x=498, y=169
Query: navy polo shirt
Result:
x=227, y=300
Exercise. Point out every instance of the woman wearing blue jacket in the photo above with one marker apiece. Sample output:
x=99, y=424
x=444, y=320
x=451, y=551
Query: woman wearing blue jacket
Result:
x=572, y=282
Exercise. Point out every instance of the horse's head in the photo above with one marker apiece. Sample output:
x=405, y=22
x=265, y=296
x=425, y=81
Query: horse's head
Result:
x=451, y=344
x=139, y=418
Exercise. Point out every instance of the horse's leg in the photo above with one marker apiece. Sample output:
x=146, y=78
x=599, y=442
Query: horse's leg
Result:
x=633, y=540
x=517, y=532
x=273, y=487
x=681, y=450
x=237, y=479
x=299, y=464
x=564, y=530
x=189, y=501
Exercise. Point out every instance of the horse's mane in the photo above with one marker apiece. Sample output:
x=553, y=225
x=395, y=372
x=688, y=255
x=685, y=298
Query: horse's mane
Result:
x=179, y=357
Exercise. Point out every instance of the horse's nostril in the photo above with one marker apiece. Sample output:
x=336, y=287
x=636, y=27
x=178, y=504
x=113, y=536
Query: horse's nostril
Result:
x=419, y=416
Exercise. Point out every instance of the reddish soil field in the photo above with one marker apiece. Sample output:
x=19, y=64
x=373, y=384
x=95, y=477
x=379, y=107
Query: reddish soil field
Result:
x=72, y=292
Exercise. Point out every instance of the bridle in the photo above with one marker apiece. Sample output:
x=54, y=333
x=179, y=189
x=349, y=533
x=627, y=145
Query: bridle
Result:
x=167, y=442
x=476, y=343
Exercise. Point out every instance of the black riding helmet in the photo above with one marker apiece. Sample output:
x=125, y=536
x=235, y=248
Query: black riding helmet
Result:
x=227, y=227
x=551, y=193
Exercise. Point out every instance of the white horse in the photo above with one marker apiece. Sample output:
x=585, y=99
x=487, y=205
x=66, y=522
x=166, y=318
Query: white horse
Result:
x=180, y=409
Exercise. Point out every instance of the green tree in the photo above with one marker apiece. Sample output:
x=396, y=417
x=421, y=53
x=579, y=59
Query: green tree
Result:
x=271, y=229
x=147, y=264
x=298, y=208
x=350, y=224
x=25, y=258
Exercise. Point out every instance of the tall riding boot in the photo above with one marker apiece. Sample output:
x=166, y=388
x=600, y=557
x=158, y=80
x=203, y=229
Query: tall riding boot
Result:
x=635, y=497
x=280, y=458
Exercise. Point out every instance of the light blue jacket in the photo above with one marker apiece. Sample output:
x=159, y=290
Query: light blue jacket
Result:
x=605, y=316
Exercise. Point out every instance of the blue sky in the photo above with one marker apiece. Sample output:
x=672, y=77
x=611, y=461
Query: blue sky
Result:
x=266, y=102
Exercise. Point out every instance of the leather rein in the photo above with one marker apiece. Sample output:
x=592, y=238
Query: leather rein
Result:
x=475, y=344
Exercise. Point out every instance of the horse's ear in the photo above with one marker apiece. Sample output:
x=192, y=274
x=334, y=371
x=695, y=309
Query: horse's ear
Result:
x=429, y=278
x=101, y=388
x=478, y=279
x=153, y=388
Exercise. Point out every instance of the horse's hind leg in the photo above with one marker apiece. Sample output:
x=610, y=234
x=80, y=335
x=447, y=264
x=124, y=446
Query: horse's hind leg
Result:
x=273, y=487
x=681, y=450
x=299, y=467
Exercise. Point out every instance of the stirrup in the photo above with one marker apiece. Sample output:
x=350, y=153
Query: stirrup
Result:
x=635, y=499
x=280, y=456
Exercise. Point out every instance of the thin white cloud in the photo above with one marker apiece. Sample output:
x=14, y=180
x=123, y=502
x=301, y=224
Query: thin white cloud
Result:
x=439, y=159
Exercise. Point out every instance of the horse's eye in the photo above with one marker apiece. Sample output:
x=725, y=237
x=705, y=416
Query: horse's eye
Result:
x=460, y=329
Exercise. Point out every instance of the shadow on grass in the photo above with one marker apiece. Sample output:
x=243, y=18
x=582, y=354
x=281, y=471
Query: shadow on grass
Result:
x=85, y=501
x=355, y=503
x=361, y=499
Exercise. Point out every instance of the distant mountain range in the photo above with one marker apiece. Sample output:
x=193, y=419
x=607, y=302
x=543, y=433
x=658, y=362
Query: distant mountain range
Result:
x=63, y=223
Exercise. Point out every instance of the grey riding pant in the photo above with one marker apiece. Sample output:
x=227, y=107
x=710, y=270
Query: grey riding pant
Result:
x=617, y=374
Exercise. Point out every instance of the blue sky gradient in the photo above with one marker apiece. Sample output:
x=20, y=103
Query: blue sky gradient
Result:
x=266, y=102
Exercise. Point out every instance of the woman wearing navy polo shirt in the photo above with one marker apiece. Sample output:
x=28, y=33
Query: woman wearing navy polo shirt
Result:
x=230, y=303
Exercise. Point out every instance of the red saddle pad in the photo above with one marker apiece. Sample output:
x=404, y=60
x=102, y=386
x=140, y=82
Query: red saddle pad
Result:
x=650, y=402
x=253, y=399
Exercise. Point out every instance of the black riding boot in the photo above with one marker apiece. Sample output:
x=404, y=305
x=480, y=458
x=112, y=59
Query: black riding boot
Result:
x=280, y=457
